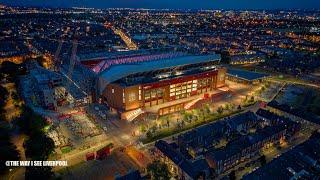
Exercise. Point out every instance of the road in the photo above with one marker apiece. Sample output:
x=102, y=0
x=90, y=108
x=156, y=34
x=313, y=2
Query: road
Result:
x=292, y=81
x=126, y=39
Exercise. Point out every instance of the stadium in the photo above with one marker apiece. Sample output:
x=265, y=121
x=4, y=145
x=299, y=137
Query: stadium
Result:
x=161, y=83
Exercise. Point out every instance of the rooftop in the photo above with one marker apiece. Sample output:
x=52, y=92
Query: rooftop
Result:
x=234, y=147
x=246, y=75
x=193, y=169
x=117, y=72
x=294, y=111
x=300, y=161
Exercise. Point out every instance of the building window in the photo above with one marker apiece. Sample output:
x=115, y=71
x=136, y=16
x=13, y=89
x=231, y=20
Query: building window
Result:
x=112, y=91
x=221, y=77
x=153, y=93
x=123, y=97
x=132, y=97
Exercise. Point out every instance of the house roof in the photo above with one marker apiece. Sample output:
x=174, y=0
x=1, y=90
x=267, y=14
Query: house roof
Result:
x=193, y=169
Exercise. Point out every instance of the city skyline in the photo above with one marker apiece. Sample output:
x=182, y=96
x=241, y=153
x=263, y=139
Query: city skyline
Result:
x=162, y=91
x=177, y=4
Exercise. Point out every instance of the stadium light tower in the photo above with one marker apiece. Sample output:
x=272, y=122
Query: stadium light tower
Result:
x=73, y=60
x=57, y=59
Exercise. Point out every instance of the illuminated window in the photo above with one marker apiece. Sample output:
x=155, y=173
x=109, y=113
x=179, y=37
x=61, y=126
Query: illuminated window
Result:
x=132, y=97
x=221, y=77
x=123, y=97
x=153, y=93
x=112, y=91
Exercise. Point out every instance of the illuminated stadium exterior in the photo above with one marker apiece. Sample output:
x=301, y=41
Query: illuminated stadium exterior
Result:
x=158, y=83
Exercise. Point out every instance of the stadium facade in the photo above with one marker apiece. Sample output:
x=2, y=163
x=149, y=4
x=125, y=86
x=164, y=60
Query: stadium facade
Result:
x=160, y=83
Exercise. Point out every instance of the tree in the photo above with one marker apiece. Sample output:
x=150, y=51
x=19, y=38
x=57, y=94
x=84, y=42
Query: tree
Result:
x=233, y=106
x=220, y=110
x=263, y=160
x=232, y=175
x=143, y=128
x=8, y=151
x=38, y=172
x=15, y=96
x=227, y=107
x=207, y=109
x=3, y=96
x=3, y=93
x=30, y=122
x=39, y=146
x=149, y=134
x=158, y=170
x=183, y=123
x=13, y=70
x=185, y=115
x=252, y=99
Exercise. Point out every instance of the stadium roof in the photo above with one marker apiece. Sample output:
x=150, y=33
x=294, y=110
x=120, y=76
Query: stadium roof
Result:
x=117, y=72
x=246, y=75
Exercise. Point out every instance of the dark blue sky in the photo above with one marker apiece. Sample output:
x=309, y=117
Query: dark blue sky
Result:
x=176, y=4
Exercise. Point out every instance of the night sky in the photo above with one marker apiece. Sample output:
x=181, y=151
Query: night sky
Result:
x=174, y=4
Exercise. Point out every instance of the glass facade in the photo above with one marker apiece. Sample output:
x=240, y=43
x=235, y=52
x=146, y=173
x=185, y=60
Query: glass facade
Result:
x=177, y=91
x=153, y=97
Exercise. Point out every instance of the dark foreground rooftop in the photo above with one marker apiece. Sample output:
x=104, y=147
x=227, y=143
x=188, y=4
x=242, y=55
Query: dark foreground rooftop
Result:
x=302, y=162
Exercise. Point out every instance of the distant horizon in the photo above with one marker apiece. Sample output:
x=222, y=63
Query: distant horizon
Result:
x=158, y=9
x=171, y=4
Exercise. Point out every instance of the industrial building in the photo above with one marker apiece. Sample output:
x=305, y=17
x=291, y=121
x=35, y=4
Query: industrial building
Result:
x=45, y=84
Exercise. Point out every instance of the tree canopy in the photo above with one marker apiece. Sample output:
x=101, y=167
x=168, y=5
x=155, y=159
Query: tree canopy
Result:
x=158, y=170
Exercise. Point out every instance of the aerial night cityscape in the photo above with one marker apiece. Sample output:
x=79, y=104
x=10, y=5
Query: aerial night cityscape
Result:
x=159, y=89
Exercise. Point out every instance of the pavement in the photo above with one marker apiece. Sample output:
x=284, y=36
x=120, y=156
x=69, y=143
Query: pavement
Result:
x=118, y=163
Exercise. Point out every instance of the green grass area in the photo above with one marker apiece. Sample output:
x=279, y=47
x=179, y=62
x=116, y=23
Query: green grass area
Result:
x=66, y=149
x=309, y=101
x=172, y=131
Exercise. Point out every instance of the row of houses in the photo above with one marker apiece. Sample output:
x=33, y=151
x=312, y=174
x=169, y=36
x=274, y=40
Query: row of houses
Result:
x=301, y=162
x=203, y=138
x=178, y=164
x=250, y=145
x=196, y=156
x=292, y=112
